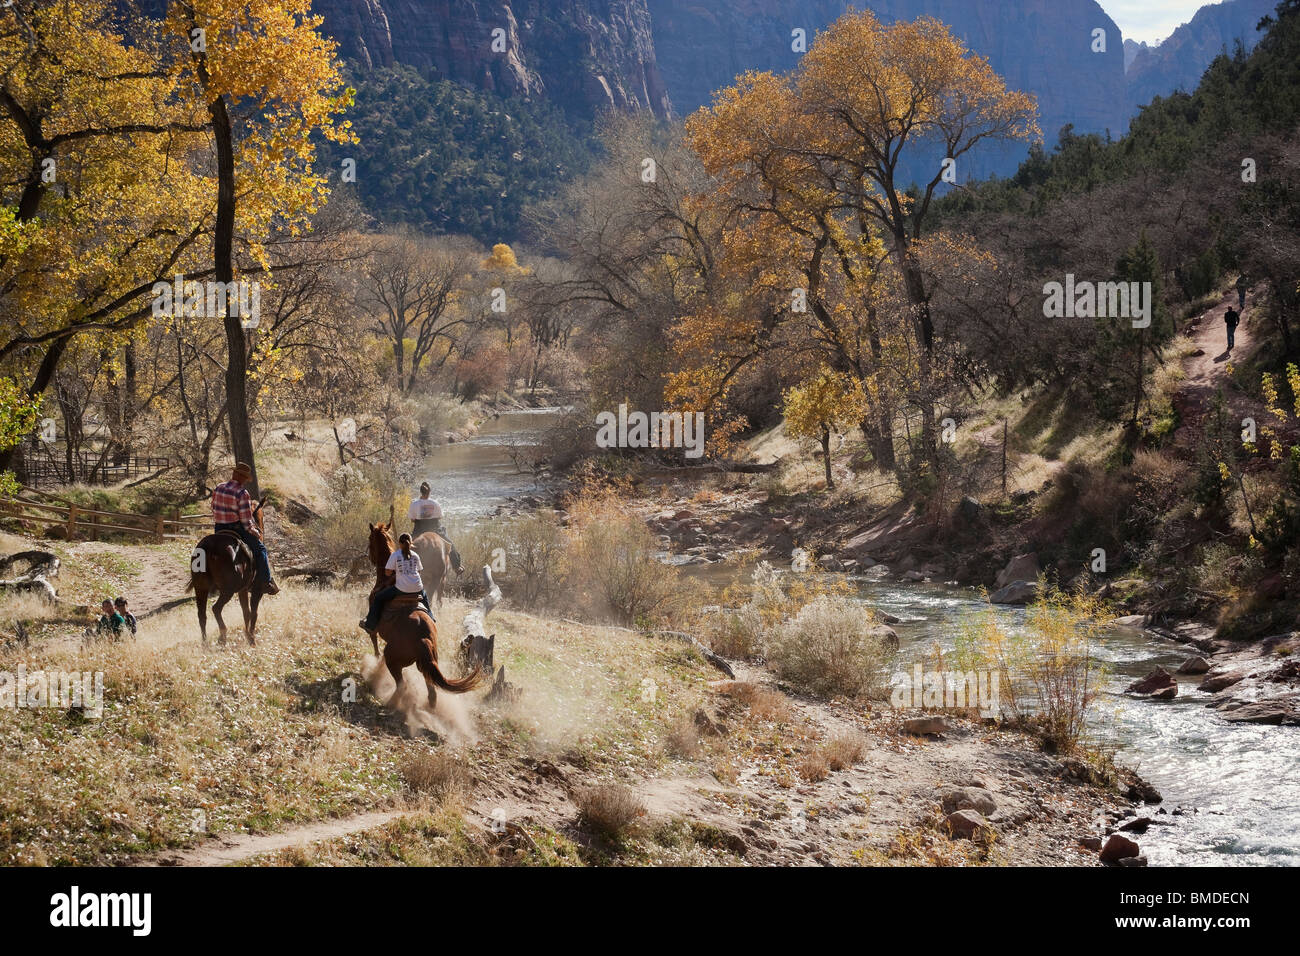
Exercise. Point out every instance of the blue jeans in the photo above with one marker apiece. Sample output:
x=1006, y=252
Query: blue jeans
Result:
x=1232, y=334
x=383, y=597
x=255, y=545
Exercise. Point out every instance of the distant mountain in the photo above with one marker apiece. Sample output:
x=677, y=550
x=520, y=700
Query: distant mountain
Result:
x=582, y=55
x=1131, y=50
x=1178, y=62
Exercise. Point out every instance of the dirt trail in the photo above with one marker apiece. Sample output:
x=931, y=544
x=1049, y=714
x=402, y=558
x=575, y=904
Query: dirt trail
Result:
x=224, y=851
x=161, y=578
x=1207, y=368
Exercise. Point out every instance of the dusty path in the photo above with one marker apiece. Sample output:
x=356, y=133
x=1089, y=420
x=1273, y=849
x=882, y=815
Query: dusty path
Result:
x=1206, y=369
x=224, y=851
x=161, y=578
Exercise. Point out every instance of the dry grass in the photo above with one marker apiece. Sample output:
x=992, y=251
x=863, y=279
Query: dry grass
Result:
x=609, y=810
x=764, y=703
x=682, y=739
x=844, y=750
x=814, y=766
x=442, y=775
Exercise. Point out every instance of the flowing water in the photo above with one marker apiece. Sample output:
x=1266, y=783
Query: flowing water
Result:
x=1236, y=787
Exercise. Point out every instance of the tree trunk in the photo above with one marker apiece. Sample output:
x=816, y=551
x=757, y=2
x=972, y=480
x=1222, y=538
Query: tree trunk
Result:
x=826, y=454
x=223, y=254
x=1137, y=385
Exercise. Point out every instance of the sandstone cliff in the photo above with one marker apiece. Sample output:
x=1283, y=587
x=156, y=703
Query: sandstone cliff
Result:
x=585, y=55
x=1178, y=62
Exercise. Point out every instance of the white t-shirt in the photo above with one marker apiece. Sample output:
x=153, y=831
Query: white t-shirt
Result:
x=408, y=571
x=422, y=509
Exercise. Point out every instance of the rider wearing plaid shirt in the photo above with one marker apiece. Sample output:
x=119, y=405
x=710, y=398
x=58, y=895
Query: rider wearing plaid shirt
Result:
x=232, y=510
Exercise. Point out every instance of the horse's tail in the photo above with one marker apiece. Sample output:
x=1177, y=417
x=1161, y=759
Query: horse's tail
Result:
x=428, y=666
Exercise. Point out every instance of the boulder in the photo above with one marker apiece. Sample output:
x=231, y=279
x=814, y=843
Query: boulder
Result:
x=1118, y=848
x=1135, y=621
x=922, y=726
x=1138, y=825
x=885, y=634
x=914, y=576
x=1138, y=860
x=1158, y=683
x=969, y=510
x=968, y=824
x=828, y=562
x=1193, y=665
x=1271, y=710
x=1212, y=685
x=968, y=798
x=1023, y=567
x=1017, y=592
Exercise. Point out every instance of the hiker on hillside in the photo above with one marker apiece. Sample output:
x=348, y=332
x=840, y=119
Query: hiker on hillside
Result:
x=1230, y=319
x=426, y=514
x=403, y=569
x=232, y=510
x=110, y=622
x=128, y=618
x=1242, y=286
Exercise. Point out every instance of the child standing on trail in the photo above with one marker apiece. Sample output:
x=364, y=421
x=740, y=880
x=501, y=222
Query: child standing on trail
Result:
x=1230, y=319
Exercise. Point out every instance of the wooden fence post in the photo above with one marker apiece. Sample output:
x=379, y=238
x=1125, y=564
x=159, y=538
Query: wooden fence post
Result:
x=72, y=520
x=160, y=530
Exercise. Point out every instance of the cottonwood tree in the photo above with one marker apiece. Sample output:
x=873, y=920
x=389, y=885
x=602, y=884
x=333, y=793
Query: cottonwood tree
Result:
x=825, y=148
x=413, y=288
x=269, y=83
x=827, y=401
x=98, y=183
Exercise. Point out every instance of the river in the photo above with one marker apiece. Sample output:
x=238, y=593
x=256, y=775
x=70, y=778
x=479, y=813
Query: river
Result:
x=1236, y=786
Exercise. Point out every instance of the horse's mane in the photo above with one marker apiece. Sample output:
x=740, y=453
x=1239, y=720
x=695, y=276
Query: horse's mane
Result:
x=379, y=560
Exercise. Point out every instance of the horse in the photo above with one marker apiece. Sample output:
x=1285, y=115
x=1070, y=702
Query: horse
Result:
x=435, y=555
x=222, y=562
x=410, y=635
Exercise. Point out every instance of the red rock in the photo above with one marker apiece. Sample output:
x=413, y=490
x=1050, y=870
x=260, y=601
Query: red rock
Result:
x=1117, y=848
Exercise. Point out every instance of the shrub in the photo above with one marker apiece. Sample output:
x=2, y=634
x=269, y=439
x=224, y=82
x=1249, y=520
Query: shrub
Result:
x=735, y=632
x=439, y=774
x=832, y=646
x=682, y=738
x=612, y=562
x=608, y=809
x=1048, y=678
x=357, y=496
x=814, y=766
x=844, y=750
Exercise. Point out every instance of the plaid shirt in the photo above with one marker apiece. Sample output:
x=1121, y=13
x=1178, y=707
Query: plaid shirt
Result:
x=232, y=504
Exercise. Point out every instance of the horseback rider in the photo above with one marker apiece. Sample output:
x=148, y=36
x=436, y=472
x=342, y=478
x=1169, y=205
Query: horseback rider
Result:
x=403, y=570
x=232, y=510
x=426, y=513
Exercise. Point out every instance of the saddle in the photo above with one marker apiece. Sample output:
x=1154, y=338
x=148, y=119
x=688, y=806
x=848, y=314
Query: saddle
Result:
x=242, y=549
x=405, y=603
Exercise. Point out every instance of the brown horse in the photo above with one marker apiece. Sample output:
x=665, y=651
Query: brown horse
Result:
x=223, y=563
x=435, y=555
x=410, y=635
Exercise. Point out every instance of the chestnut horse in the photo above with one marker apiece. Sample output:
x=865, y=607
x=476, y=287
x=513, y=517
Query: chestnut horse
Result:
x=410, y=635
x=223, y=563
x=435, y=555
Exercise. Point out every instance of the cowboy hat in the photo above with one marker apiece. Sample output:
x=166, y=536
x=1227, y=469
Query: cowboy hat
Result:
x=242, y=471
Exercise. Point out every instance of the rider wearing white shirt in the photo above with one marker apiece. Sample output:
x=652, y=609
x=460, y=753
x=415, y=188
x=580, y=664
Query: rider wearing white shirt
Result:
x=426, y=515
x=404, y=567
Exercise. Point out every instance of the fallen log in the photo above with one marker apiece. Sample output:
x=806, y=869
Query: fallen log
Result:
x=718, y=662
